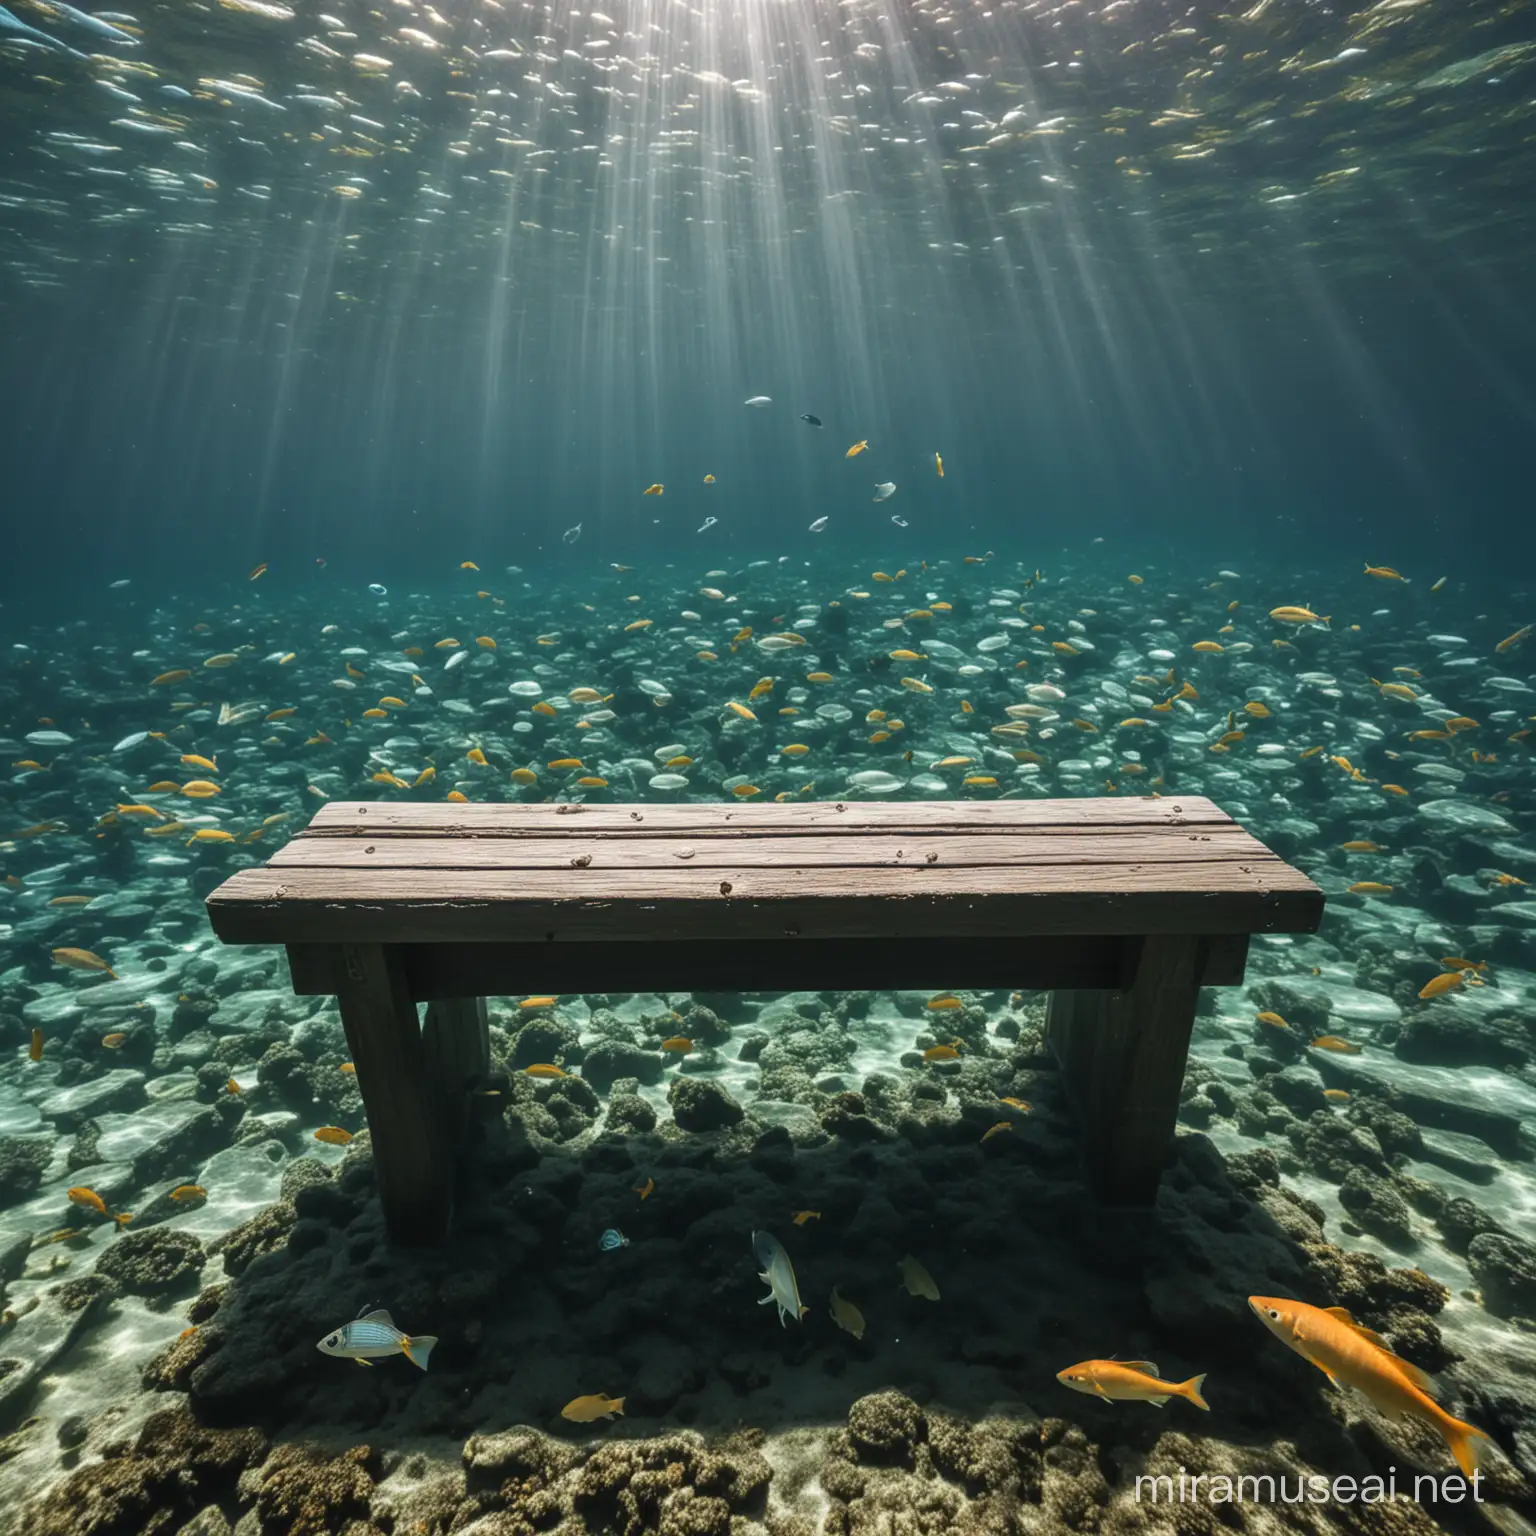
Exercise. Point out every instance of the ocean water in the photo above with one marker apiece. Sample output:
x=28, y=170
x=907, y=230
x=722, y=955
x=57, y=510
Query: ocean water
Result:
x=754, y=401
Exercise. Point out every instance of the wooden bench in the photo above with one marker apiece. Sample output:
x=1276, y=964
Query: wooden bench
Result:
x=1122, y=908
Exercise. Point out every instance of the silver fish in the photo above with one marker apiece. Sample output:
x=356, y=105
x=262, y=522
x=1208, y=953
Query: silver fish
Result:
x=778, y=1275
x=14, y=26
x=760, y=400
x=373, y=1336
x=572, y=534
x=885, y=489
x=818, y=525
x=612, y=1239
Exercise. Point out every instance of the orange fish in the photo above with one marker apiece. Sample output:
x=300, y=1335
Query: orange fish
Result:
x=1335, y=1043
x=258, y=573
x=941, y=1053
x=646, y=1189
x=545, y=1069
x=801, y=1217
x=114, y=1041
x=82, y=960
x=333, y=1135
x=679, y=1043
x=1444, y=982
x=1353, y=1356
x=87, y=1199
x=35, y=1049
x=1130, y=1381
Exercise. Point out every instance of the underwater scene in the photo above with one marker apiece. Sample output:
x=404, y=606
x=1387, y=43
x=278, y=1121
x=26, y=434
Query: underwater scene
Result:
x=754, y=403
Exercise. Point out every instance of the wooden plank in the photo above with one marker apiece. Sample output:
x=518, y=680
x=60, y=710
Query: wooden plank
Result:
x=410, y=1152
x=1122, y=1055
x=415, y=906
x=456, y=1050
x=506, y=970
x=351, y=818
x=1163, y=845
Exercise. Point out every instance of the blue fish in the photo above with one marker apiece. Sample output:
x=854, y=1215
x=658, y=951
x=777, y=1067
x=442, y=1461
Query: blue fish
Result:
x=14, y=26
x=612, y=1239
x=373, y=1336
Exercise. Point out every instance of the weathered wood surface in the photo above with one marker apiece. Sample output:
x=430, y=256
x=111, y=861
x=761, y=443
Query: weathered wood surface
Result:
x=450, y=970
x=355, y=818
x=409, y=1134
x=456, y=1051
x=941, y=870
x=1122, y=1054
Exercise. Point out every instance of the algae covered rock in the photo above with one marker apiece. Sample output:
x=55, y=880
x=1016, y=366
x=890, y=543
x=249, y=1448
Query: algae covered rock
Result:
x=160, y=1262
x=885, y=1427
x=701, y=1105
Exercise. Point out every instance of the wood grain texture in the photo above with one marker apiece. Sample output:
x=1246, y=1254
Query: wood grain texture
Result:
x=1122, y=1054
x=1110, y=845
x=352, y=818
x=415, y=906
x=410, y=1151
x=456, y=1054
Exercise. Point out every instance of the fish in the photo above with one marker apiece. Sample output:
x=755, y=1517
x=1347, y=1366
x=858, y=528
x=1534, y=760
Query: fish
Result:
x=814, y=421
x=858, y=448
x=258, y=573
x=653, y=490
x=1294, y=614
x=1383, y=573
x=704, y=527
x=571, y=534
x=14, y=26
x=114, y=1041
x=1353, y=1356
x=373, y=1336
x=1022, y=1105
x=1130, y=1381
x=538, y=1002
x=847, y=1316
x=1335, y=1043
x=587, y=1410
x=1456, y=963
x=645, y=1190
x=709, y=479
x=916, y=1280
x=801, y=1217
x=1509, y=642
x=1338, y=1095
x=87, y=1199
x=993, y=1130
x=1361, y=845
x=819, y=524
x=885, y=490
x=941, y=1053
x=938, y=464
x=184, y=1194
x=1446, y=981
x=82, y=960
x=944, y=1002
x=35, y=1046
x=544, y=1069
x=1369, y=888
x=333, y=1135
x=759, y=400
x=681, y=1044
x=1272, y=1019
x=611, y=1239
x=778, y=1274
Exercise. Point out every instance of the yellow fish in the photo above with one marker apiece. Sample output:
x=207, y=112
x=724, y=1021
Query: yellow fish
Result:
x=847, y=1316
x=938, y=464
x=1330, y=1339
x=1335, y=1043
x=993, y=1130
x=1369, y=888
x=184, y=1193
x=1445, y=982
x=916, y=1280
x=709, y=479
x=1383, y=573
x=857, y=449
x=801, y=1217
x=1130, y=1381
x=333, y=1135
x=544, y=1069
x=586, y=1410
x=653, y=490
x=82, y=960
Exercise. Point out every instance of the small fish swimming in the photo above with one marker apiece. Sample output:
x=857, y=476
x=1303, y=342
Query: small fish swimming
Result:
x=759, y=400
x=572, y=534
x=857, y=449
x=814, y=421
x=332, y=1135
x=885, y=490
x=586, y=1410
x=778, y=1274
x=645, y=1190
x=612, y=1239
x=1130, y=1381
x=82, y=960
x=680, y=1044
x=847, y=1316
x=900, y=521
x=801, y=1217
x=1335, y=1043
x=373, y=1336
x=378, y=589
x=819, y=524
x=916, y=1280
x=707, y=524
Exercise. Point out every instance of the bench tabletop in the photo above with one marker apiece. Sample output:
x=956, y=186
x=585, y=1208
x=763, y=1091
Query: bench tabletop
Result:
x=400, y=873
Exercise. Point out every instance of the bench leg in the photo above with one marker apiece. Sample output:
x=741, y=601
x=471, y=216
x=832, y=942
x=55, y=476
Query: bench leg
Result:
x=1122, y=1055
x=411, y=1156
x=456, y=1041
